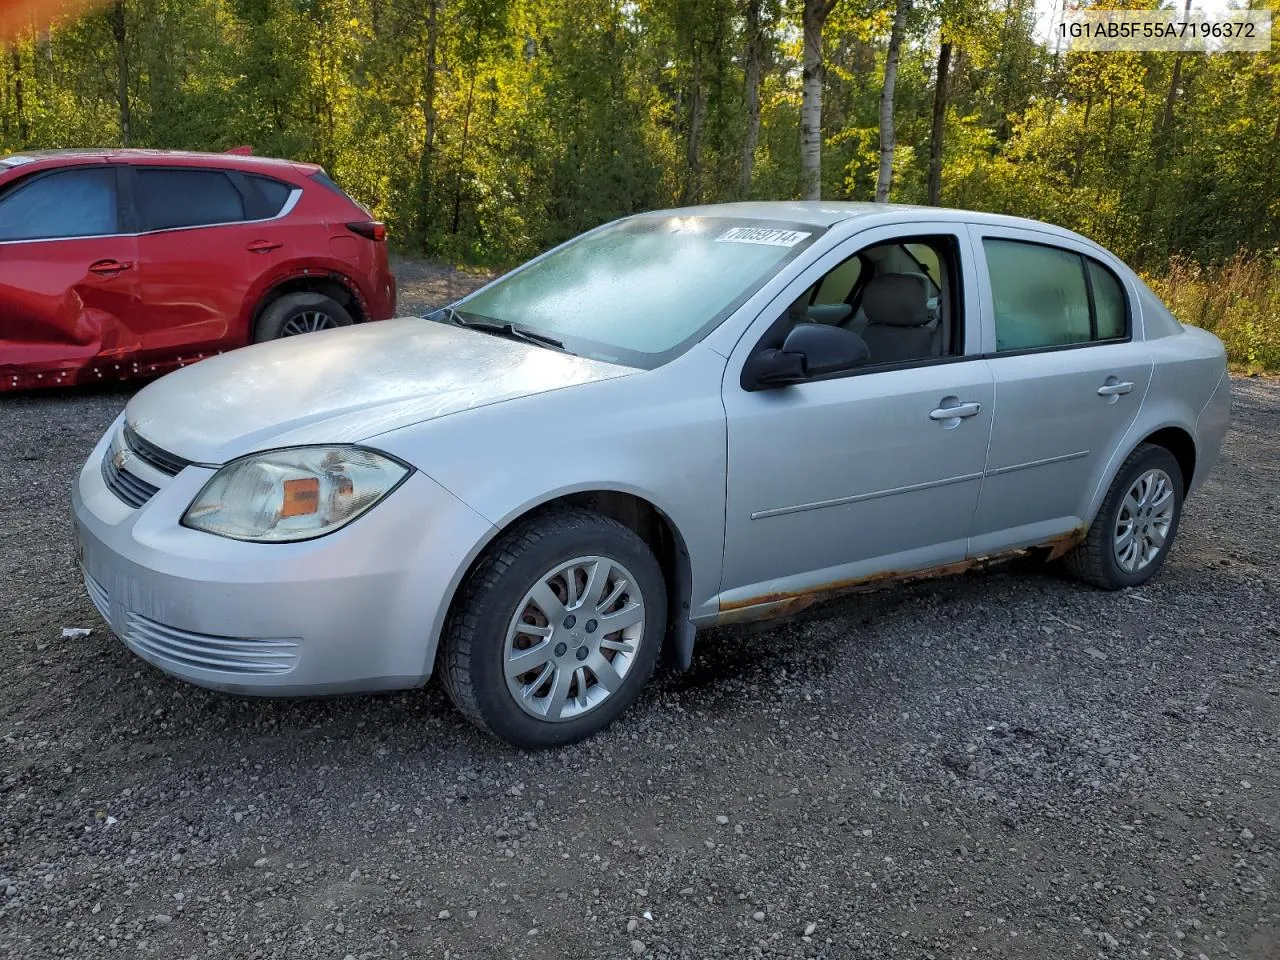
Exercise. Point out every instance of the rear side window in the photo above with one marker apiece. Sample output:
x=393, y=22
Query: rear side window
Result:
x=1108, y=300
x=186, y=198
x=70, y=203
x=268, y=197
x=326, y=181
x=1049, y=297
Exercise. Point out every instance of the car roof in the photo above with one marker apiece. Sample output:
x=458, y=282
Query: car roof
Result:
x=827, y=213
x=231, y=161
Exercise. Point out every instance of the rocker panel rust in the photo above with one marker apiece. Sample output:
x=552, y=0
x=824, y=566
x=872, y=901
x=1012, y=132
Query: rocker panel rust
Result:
x=770, y=605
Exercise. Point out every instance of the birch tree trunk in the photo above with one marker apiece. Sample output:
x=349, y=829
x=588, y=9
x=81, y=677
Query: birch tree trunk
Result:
x=814, y=18
x=888, y=143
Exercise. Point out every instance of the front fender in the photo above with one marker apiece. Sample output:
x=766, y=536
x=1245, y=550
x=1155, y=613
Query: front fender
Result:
x=657, y=435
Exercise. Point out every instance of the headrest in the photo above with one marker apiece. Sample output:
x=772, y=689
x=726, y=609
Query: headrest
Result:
x=897, y=299
x=829, y=313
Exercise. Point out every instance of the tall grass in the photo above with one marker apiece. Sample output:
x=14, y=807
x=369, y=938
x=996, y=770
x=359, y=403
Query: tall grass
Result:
x=1239, y=301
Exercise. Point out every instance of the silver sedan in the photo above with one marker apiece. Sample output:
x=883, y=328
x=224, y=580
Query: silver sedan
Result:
x=680, y=419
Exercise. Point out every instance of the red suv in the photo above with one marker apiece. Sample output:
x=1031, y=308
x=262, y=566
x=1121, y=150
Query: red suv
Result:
x=127, y=263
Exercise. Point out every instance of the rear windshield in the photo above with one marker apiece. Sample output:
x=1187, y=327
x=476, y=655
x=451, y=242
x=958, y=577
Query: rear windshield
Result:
x=641, y=291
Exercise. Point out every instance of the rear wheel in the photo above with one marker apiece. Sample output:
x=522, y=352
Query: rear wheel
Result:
x=297, y=313
x=556, y=630
x=1134, y=529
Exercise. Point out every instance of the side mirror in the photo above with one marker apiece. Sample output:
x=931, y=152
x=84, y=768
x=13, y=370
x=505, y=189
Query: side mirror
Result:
x=810, y=350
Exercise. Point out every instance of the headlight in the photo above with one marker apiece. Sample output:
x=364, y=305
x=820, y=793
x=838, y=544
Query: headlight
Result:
x=293, y=494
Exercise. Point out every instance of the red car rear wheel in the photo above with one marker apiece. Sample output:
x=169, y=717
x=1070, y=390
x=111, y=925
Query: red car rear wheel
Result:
x=296, y=313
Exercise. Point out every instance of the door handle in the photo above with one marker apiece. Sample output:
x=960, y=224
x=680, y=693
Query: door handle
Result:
x=108, y=268
x=263, y=246
x=957, y=412
x=1114, y=387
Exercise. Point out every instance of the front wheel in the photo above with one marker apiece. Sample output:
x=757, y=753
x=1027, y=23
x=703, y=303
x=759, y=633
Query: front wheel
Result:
x=556, y=631
x=1135, y=526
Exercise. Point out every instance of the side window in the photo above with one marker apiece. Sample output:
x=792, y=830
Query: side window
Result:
x=902, y=297
x=169, y=198
x=269, y=196
x=927, y=257
x=70, y=203
x=1109, y=302
x=1049, y=297
x=837, y=285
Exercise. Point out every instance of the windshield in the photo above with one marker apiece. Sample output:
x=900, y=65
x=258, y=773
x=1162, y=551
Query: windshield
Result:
x=641, y=291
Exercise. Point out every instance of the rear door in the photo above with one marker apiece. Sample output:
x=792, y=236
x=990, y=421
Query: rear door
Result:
x=68, y=277
x=1070, y=376
x=207, y=236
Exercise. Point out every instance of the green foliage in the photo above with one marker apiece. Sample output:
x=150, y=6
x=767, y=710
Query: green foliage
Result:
x=485, y=130
x=1239, y=301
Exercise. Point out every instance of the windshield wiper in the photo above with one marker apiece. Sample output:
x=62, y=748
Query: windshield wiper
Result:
x=498, y=328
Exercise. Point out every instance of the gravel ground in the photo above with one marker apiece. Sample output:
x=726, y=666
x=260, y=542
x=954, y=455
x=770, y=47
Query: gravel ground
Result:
x=422, y=285
x=1005, y=764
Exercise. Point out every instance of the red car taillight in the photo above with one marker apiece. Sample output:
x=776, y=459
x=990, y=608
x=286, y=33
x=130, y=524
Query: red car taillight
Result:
x=370, y=229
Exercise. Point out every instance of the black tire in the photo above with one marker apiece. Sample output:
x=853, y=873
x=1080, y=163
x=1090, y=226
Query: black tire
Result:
x=1094, y=560
x=472, y=655
x=271, y=325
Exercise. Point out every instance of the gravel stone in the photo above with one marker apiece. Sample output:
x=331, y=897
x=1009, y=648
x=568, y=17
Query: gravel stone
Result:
x=961, y=775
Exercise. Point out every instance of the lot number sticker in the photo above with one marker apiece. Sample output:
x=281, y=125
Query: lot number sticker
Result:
x=765, y=235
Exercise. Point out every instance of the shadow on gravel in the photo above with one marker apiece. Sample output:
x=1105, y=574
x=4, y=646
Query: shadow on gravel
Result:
x=799, y=646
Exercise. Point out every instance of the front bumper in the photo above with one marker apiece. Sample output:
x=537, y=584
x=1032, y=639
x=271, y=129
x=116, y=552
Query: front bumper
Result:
x=357, y=610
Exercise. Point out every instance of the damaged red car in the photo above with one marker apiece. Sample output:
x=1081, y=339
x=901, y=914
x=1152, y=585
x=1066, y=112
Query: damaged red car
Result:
x=117, y=264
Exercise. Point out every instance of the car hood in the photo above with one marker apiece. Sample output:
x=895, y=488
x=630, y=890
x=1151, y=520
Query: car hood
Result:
x=344, y=386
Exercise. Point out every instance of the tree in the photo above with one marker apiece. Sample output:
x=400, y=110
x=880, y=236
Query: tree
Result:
x=753, y=74
x=431, y=69
x=122, y=69
x=888, y=141
x=814, y=16
x=483, y=131
x=938, y=124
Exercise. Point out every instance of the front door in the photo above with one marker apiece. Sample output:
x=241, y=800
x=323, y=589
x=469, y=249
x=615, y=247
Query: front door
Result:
x=871, y=473
x=68, y=279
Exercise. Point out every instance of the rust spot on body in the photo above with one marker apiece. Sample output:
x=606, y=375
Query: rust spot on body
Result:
x=770, y=605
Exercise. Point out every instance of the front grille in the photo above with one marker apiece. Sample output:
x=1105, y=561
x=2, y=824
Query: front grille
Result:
x=201, y=651
x=148, y=452
x=132, y=490
x=98, y=594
